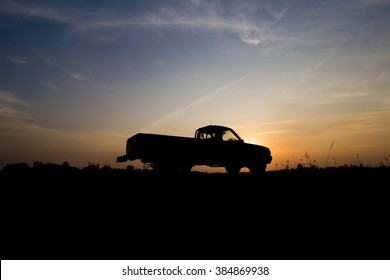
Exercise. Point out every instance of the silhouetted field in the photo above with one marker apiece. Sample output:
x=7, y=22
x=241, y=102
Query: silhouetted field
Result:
x=62, y=212
x=55, y=174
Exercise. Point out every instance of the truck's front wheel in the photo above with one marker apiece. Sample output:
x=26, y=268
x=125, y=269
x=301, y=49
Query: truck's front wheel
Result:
x=158, y=167
x=258, y=169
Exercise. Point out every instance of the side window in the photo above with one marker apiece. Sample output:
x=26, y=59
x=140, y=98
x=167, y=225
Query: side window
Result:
x=204, y=135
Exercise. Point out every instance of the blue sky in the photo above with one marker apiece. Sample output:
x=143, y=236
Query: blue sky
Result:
x=77, y=78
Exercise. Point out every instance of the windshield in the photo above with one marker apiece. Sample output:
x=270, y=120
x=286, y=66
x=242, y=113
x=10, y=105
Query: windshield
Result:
x=228, y=135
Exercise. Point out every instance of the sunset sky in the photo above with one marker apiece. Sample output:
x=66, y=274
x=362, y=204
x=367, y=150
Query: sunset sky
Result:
x=308, y=79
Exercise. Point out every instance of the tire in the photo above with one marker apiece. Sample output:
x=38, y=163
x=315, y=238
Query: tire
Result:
x=185, y=169
x=258, y=169
x=160, y=167
x=233, y=169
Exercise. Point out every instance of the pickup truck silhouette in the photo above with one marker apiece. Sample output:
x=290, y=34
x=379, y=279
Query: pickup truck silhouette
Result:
x=213, y=145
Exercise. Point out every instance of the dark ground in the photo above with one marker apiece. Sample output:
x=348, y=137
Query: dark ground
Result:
x=59, y=212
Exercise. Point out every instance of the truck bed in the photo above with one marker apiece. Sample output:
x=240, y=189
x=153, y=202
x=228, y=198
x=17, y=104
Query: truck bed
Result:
x=149, y=147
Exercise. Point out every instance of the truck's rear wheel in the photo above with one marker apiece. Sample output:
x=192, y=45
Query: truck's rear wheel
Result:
x=185, y=168
x=233, y=169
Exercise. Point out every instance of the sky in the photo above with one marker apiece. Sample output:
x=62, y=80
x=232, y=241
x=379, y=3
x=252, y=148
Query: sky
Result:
x=308, y=79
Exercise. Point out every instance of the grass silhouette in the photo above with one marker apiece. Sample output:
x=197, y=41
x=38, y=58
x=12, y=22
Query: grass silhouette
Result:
x=302, y=174
x=305, y=212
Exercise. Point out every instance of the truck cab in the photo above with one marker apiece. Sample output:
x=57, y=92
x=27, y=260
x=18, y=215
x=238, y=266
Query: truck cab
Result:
x=221, y=146
x=217, y=132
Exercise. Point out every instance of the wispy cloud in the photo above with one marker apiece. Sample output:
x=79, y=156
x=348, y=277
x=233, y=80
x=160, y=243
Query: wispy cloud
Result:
x=78, y=76
x=197, y=102
x=51, y=85
x=9, y=99
x=376, y=2
x=17, y=60
x=277, y=13
x=23, y=139
x=12, y=107
x=202, y=16
x=247, y=30
x=12, y=7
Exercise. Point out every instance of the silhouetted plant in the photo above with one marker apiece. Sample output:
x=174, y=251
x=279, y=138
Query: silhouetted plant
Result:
x=93, y=166
x=37, y=164
x=130, y=168
x=306, y=154
x=385, y=163
x=106, y=167
x=331, y=146
x=355, y=161
x=311, y=162
x=287, y=164
x=16, y=167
